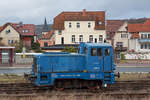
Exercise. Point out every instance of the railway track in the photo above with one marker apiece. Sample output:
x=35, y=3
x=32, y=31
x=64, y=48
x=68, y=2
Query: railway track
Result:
x=120, y=87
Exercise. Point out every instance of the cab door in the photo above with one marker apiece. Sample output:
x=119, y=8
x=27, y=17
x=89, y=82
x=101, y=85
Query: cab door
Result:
x=107, y=58
x=94, y=60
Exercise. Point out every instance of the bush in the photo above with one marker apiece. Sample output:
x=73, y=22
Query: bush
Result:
x=69, y=49
x=122, y=56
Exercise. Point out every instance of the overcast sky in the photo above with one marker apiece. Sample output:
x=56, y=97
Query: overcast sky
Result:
x=34, y=11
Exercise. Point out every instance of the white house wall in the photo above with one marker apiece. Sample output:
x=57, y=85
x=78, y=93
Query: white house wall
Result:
x=12, y=35
x=148, y=43
x=83, y=30
x=117, y=37
x=134, y=44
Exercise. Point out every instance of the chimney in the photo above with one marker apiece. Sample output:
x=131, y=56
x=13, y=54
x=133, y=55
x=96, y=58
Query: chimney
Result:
x=84, y=12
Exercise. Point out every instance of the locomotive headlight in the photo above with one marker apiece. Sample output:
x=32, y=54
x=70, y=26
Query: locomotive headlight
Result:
x=105, y=85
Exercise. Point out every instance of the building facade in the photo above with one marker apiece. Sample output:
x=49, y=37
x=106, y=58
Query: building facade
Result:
x=9, y=35
x=121, y=37
x=76, y=27
x=140, y=37
x=118, y=36
x=47, y=39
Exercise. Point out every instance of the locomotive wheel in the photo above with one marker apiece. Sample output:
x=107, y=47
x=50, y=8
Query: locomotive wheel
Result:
x=92, y=85
x=59, y=85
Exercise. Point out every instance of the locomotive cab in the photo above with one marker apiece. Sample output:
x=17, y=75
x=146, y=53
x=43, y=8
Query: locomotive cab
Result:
x=99, y=57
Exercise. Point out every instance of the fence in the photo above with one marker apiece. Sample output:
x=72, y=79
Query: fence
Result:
x=139, y=56
x=24, y=58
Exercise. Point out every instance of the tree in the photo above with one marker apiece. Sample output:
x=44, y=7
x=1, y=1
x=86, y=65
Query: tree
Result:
x=35, y=46
x=18, y=47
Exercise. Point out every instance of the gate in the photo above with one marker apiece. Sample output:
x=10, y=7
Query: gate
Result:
x=6, y=55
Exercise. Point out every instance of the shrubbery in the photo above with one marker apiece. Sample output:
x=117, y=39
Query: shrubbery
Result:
x=69, y=49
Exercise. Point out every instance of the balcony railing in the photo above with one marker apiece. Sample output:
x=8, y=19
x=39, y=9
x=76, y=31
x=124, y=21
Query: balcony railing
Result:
x=120, y=48
x=144, y=40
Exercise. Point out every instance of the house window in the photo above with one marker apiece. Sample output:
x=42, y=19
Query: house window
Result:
x=59, y=32
x=149, y=46
x=145, y=46
x=45, y=44
x=100, y=38
x=80, y=38
x=100, y=23
x=141, y=46
x=145, y=36
x=142, y=36
x=119, y=44
x=78, y=25
x=73, y=38
x=91, y=38
x=7, y=31
x=9, y=41
x=124, y=35
x=25, y=31
x=108, y=36
x=12, y=41
x=70, y=25
x=89, y=25
x=149, y=36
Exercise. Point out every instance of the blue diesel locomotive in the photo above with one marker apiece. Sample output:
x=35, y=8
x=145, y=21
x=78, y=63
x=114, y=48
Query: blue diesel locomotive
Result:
x=92, y=67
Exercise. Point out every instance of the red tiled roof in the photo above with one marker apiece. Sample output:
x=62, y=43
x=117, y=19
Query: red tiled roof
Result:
x=48, y=35
x=5, y=25
x=19, y=28
x=1, y=28
x=139, y=27
x=29, y=27
x=113, y=25
x=80, y=16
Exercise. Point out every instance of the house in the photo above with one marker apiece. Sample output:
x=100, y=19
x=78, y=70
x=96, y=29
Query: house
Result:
x=76, y=27
x=140, y=36
x=15, y=32
x=117, y=35
x=9, y=34
x=47, y=39
x=42, y=29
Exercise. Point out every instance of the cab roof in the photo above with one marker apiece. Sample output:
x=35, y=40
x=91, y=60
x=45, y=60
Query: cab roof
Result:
x=97, y=45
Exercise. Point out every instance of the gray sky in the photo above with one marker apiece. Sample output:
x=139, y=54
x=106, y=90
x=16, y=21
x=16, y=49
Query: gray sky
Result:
x=34, y=11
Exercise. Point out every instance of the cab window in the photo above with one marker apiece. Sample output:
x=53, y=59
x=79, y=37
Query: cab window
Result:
x=99, y=51
x=85, y=50
x=107, y=52
x=93, y=52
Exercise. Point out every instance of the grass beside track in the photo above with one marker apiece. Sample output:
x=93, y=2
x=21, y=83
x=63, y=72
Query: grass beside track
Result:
x=133, y=76
x=12, y=78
